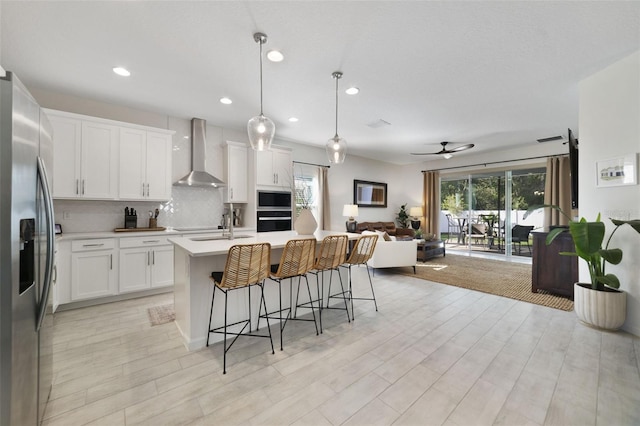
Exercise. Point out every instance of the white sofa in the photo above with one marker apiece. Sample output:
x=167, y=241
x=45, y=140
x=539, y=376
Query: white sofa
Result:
x=392, y=254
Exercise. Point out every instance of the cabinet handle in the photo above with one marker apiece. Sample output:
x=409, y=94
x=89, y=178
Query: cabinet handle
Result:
x=153, y=257
x=93, y=245
x=82, y=186
x=143, y=189
x=151, y=241
x=111, y=261
x=77, y=186
x=148, y=190
x=231, y=194
x=148, y=258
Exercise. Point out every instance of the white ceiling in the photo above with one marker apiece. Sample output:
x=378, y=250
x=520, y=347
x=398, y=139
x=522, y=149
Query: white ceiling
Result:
x=489, y=73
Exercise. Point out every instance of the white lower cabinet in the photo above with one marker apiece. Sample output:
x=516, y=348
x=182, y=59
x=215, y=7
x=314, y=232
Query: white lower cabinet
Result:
x=145, y=262
x=101, y=267
x=93, y=269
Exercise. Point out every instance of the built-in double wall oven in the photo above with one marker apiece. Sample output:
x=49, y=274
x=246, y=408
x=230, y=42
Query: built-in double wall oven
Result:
x=274, y=212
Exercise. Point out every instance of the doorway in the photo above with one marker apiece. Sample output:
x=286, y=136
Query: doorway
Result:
x=479, y=210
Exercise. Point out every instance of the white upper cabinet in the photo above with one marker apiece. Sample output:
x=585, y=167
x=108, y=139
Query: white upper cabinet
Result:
x=66, y=159
x=145, y=165
x=236, y=172
x=273, y=168
x=85, y=159
x=101, y=159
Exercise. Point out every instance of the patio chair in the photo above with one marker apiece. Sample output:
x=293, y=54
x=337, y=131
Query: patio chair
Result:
x=520, y=235
x=452, y=227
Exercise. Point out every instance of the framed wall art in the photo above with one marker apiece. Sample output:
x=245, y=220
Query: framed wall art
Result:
x=617, y=171
x=369, y=194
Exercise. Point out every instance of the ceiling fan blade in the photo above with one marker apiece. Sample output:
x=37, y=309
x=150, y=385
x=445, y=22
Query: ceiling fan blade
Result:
x=444, y=149
x=426, y=153
x=461, y=148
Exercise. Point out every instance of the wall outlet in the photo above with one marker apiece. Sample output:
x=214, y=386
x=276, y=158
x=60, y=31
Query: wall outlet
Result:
x=66, y=215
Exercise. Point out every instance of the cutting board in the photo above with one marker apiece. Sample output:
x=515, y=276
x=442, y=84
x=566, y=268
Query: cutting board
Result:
x=159, y=228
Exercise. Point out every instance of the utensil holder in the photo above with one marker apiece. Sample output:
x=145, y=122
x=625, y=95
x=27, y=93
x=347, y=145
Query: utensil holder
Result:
x=153, y=223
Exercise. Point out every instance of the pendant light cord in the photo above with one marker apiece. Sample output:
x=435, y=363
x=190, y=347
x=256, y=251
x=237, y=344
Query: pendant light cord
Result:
x=260, y=42
x=337, y=76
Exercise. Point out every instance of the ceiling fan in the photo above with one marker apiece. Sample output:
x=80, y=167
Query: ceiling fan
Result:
x=446, y=151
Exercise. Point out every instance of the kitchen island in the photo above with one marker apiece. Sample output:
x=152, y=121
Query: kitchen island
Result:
x=194, y=260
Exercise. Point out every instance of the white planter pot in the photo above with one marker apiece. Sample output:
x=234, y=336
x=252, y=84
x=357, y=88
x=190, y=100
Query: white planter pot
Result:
x=305, y=223
x=602, y=309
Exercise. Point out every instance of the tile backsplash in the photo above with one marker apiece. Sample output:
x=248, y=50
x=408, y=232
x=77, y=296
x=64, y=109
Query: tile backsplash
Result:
x=188, y=207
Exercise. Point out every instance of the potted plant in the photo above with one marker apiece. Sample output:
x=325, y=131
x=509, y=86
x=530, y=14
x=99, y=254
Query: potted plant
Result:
x=599, y=303
x=403, y=216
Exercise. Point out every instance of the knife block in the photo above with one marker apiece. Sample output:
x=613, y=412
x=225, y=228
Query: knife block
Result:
x=130, y=221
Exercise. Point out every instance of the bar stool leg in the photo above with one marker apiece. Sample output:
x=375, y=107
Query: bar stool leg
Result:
x=213, y=298
x=310, y=301
x=224, y=357
x=265, y=309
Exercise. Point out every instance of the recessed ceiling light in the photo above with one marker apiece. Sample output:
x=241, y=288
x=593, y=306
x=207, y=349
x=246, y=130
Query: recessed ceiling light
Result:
x=275, y=56
x=293, y=119
x=121, y=71
x=352, y=91
x=226, y=101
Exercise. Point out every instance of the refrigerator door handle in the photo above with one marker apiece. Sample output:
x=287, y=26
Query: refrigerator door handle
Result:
x=48, y=208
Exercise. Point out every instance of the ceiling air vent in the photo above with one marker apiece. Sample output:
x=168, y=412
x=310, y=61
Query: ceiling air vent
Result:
x=551, y=139
x=378, y=123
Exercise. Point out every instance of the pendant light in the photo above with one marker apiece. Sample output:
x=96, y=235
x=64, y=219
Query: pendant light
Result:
x=260, y=128
x=336, y=146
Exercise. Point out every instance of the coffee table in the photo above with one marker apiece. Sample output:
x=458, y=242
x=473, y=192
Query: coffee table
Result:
x=430, y=249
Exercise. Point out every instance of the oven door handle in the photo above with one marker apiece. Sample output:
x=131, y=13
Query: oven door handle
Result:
x=275, y=218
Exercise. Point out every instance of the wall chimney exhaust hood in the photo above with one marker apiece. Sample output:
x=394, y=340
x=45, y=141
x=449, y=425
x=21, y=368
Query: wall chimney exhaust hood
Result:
x=198, y=176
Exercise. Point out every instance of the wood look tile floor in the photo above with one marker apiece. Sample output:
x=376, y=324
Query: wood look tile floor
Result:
x=432, y=355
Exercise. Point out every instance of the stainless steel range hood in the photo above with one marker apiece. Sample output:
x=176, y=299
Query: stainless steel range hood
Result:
x=198, y=176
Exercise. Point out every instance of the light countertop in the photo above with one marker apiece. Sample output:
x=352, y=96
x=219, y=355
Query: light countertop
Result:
x=167, y=232
x=197, y=247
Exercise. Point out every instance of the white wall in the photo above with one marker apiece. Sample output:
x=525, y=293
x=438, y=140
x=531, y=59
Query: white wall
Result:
x=610, y=127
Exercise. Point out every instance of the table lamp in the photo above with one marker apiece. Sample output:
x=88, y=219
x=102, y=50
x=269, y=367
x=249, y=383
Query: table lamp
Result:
x=416, y=214
x=351, y=211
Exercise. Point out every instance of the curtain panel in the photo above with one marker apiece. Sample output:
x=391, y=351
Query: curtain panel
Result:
x=557, y=190
x=431, y=202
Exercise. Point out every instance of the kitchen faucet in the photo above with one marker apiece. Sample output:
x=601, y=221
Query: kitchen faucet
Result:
x=229, y=218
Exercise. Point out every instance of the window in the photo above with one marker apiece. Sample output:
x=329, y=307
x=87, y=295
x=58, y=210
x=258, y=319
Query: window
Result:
x=307, y=190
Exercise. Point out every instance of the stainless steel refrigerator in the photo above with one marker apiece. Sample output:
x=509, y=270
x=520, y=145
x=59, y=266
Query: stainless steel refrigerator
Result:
x=26, y=256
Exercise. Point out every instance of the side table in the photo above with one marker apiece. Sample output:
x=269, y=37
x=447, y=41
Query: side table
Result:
x=430, y=249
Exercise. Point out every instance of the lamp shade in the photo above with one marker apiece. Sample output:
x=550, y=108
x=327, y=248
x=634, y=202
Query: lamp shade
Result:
x=350, y=210
x=261, y=131
x=336, y=149
x=415, y=211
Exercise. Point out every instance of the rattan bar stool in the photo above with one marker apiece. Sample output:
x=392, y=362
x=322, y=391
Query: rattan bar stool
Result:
x=297, y=258
x=360, y=254
x=329, y=256
x=247, y=265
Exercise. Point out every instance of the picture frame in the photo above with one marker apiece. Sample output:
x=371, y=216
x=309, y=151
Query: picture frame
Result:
x=369, y=194
x=617, y=171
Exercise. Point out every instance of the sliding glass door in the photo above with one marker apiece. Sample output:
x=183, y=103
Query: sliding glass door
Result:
x=480, y=210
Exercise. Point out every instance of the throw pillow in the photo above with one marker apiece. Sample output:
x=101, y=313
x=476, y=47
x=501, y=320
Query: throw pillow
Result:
x=383, y=235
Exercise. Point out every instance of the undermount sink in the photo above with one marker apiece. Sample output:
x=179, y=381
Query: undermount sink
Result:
x=219, y=237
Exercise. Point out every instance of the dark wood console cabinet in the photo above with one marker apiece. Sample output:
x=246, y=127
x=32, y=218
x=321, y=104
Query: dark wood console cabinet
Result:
x=551, y=271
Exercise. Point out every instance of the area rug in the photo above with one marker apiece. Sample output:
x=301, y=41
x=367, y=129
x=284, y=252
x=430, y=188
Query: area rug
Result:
x=512, y=280
x=161, y=314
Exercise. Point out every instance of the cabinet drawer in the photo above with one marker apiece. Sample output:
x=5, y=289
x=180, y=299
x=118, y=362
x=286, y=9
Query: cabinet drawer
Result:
x=90, y=245
x=147, y=241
